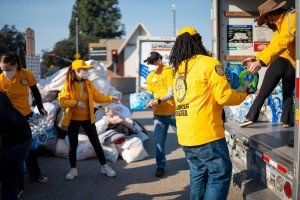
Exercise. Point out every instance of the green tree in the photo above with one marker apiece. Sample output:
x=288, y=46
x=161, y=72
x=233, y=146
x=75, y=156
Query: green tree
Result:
x=11, y=40
x=65, y=49
x=99, y=18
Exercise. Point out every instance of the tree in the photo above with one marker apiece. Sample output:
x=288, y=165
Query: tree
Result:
x=11, y=40
x=66, y=49
x=99, y=18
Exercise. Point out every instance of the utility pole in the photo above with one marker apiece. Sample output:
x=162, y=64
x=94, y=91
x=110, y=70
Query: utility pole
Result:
x=76, y=35
x=173, y=8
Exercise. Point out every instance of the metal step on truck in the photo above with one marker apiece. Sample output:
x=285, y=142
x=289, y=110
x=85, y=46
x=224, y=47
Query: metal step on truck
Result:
x=264, y=166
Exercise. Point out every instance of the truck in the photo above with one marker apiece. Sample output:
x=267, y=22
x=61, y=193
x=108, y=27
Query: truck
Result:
x=146, y=44
x=264, y=166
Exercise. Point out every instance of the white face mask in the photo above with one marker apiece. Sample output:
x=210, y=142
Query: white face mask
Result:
x=152, y=67
x=9, y=74
x=85, y=75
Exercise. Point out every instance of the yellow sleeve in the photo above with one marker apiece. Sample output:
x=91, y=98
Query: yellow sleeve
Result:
x=31, y=79
x=221, y=89
x=280, y=41
x=64, y=98
x=170, y=77
x=149, y=85
x=98, y=97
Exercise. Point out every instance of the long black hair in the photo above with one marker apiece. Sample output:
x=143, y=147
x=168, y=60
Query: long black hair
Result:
x=185, y=47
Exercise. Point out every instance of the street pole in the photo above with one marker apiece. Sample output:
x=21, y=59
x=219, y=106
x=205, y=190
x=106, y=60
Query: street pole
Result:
x=115, y=69
x=296, y=177
x=76, y=35
x=173, y=8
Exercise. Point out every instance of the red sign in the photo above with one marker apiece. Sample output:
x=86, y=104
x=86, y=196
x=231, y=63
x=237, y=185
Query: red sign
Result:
x=259, y=46
x=297, y=88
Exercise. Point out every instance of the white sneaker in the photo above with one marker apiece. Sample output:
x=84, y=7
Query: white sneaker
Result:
x=106, y=169
x=42, y=179
x=72, y=174
x=20, y=193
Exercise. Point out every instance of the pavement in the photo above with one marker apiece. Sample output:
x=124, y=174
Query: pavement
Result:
x=134, y=180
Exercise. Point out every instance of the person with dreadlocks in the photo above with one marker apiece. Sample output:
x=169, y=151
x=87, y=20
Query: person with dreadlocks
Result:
x=77, y=97
x=201, y=90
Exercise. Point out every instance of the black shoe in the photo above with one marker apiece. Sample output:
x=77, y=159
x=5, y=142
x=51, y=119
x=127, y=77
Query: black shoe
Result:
x=159, y=172
x=291, y=143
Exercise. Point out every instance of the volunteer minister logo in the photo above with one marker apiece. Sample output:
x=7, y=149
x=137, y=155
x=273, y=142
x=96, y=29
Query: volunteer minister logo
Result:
x=181, y=88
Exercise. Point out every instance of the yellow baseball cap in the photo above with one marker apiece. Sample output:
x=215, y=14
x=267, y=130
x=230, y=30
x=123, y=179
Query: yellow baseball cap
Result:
x=187, y=29
x=77, y=64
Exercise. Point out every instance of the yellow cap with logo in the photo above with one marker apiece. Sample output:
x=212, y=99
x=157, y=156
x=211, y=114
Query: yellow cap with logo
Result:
x=187, y=29
x=77, y=64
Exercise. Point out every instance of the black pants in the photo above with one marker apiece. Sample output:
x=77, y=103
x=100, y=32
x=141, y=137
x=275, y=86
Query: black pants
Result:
x=32, y=165
x=281, y=68
x=90, y=130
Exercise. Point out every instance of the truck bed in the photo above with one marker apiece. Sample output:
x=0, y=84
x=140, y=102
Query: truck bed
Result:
x=270, y=138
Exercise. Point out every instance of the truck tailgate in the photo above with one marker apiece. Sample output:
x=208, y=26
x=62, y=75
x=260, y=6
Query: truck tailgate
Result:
x=268, y=137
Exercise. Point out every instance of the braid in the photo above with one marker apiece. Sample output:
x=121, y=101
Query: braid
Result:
x=185, y=47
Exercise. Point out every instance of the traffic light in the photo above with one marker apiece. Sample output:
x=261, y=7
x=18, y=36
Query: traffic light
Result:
x=114, y=55
x=53, y=54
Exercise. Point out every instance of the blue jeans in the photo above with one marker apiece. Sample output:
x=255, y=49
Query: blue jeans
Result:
x=161, y=126
x=11, y=164
x=210, y=170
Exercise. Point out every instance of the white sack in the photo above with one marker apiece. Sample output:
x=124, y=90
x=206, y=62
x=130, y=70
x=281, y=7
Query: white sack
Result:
x=111, y=152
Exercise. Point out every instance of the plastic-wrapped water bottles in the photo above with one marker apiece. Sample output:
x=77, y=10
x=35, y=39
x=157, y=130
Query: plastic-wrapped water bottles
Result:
x=243, y=110
x=139, y=101
x=239, y=78
x=42, y=129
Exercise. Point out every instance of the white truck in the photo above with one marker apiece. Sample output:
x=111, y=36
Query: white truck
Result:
x=264, y=167
x=146, y=44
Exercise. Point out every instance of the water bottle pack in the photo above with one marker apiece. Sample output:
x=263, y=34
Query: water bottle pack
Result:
x=239, y=78
x=43, y=130
x=139, y=101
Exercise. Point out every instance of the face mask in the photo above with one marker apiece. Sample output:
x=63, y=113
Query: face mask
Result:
x=9, y=74
x=85, y=75
x=271, y=26
x=152, y=67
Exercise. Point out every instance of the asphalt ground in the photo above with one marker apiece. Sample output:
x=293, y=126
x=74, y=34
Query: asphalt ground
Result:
x=134, y=180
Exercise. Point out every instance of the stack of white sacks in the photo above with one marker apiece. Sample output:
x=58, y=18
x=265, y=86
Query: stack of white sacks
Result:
x=115, y=143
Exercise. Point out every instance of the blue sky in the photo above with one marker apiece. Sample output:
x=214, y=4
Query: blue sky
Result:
x=50, y=19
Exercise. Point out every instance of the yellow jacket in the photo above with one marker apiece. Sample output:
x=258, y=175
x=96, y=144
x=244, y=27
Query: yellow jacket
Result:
x=283, y=41
x=67, y=100
x=199, y=99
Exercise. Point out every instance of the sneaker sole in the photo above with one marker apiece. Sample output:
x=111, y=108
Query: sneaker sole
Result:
x=43, y=181
x=70, y=179
x=104, y=173
x=244, y=124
